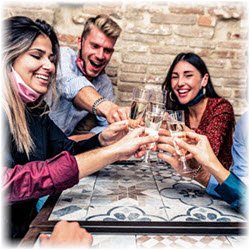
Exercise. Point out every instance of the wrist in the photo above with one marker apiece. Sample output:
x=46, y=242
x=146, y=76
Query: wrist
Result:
x=202, y=176
x=101, y=140
x=105, y=107
x=97, y=103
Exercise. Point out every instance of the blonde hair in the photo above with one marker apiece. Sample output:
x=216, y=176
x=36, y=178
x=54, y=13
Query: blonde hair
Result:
x=19, y=34
x=105, y=24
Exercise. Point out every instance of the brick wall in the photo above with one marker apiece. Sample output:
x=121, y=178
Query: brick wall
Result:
x=152, y=36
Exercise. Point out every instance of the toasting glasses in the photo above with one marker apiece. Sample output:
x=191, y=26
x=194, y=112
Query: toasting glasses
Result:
x=138, y=107
x=153, y=120
x=176, y=124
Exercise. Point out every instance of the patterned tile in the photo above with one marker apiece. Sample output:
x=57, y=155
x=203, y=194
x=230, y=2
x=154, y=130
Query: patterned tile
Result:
x=181, y=241
x=138, y=192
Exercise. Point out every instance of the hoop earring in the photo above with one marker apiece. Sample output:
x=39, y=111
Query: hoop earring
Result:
x=171, y=97
x=204, y=91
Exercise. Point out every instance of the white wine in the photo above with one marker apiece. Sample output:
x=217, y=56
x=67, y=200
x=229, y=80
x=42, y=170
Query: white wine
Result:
x=138, y=109
x=176, y=128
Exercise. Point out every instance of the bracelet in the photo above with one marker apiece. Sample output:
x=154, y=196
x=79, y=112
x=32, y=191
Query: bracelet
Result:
x=196, y=172
x=96, y=103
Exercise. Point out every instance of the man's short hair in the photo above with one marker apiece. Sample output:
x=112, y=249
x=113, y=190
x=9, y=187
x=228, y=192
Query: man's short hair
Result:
x=105, y=24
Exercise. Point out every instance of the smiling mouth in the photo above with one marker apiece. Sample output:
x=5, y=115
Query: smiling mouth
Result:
x=42, y=77
x=182, y=91
x=96, y=65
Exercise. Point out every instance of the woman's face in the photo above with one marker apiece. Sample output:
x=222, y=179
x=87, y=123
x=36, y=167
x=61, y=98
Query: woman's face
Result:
x=36, y=65
x=186, y=81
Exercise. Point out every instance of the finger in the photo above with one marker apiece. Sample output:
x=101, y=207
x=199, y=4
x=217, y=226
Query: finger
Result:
x=43, y=238
x=87, y=238
x=164, y=132
x=166, y=148
x=147, y=139
x=122, y=113
x=116, y=117
x=189, y=147
x=166, y=139
x=118, y=126
x=168, y=158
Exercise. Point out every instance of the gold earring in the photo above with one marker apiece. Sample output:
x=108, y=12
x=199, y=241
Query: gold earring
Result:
x=171, y=97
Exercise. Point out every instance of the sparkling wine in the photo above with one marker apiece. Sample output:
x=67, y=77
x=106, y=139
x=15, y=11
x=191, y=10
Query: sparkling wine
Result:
x=175, y=129
x=138, y=109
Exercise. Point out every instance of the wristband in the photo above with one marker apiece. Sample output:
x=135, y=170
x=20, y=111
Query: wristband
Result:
x=96, y=103
x=196, y=172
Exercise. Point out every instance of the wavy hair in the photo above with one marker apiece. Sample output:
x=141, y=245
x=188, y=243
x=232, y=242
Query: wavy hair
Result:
x=19, y=32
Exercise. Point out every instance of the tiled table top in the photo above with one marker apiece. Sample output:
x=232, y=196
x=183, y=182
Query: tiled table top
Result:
x=141, y=193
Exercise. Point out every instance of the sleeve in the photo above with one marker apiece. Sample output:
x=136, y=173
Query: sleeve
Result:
x=212, y=184
x=234, y=192
x=39, y=178
x=221, y=125
x=240, y=148
x=69, y=81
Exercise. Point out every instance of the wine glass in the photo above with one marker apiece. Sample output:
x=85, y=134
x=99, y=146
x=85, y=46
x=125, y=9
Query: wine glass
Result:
x=138, y=107
x=153, y=119
x=176, y=124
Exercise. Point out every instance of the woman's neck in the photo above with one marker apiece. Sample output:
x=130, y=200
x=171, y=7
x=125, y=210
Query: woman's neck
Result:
x=196, y=112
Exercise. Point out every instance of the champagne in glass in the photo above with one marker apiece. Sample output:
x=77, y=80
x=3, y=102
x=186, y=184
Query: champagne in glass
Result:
x=176, y=124
x=138, y=107
x=153, y=119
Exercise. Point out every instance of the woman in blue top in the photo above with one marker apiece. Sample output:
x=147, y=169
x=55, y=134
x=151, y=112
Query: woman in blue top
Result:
x=230, y=187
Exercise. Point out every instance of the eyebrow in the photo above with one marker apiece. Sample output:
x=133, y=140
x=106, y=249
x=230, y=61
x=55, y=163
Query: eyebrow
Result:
x=40, y=50
x=185, y=72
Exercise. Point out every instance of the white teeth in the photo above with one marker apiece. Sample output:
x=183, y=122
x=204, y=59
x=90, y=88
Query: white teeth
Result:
x=182, y=91
x=46, y=78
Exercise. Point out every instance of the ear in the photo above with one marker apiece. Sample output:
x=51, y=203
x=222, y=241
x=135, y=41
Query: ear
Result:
x=79, y=42
x=204, y=80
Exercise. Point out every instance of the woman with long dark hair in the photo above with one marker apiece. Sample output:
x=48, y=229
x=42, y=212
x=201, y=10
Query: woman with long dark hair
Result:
x=188, y=86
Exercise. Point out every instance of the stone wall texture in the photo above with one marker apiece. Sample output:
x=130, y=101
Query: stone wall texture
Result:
x=153, y=34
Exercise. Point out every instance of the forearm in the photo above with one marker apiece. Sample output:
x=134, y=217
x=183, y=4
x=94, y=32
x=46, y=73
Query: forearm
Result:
x=94, y=160
x=39, y=178
x=86, y=98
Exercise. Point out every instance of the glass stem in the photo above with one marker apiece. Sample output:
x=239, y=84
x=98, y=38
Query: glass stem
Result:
x=147, y=156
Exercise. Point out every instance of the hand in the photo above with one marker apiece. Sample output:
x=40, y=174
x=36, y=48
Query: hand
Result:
x=67, y=234
x=133, y=144
x=113, y=112
x=113, y=133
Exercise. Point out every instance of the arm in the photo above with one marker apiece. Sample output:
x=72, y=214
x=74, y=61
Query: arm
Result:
x=39, y=178
x=87, y=96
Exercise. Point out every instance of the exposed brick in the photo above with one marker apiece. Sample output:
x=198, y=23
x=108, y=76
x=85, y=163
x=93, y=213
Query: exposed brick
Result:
x=206, y=20
x=147, y=28
x=173, y=19
x=134, y=68
x=193, y=31
x=188, y=9
x=131, y=77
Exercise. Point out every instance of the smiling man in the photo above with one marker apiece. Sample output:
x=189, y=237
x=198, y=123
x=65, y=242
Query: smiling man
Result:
x=83, y=86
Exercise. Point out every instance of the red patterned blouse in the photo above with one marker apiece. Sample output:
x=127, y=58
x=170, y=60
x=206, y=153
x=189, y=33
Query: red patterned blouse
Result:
x=217, y=123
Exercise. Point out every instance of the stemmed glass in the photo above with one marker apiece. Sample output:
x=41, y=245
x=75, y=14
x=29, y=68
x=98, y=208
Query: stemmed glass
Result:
x=138, y=107
x=153, y=119
x=176, y=124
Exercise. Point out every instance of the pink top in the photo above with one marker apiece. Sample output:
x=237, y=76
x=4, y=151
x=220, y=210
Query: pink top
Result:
x=39, y=178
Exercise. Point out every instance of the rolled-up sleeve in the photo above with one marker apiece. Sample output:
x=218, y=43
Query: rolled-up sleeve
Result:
x=39, y=178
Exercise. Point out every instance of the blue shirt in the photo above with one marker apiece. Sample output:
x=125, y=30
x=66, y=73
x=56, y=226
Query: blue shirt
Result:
x=239, y=153
x=70, y=81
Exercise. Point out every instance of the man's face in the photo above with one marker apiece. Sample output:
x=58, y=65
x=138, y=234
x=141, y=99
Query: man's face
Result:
x=97, y=50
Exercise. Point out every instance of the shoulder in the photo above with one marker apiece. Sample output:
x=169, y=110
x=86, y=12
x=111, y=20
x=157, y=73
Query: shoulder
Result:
x=66, y=53
x=103, y=79
x=220, y=105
